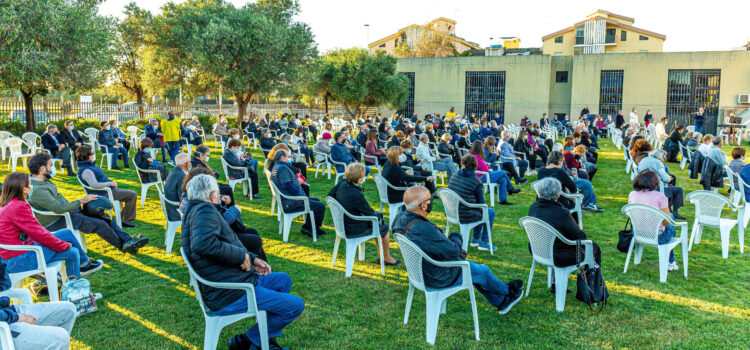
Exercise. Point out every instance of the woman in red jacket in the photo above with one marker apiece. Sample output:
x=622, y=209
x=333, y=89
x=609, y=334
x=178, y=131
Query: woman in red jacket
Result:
x=18, y=226
x=371, y=149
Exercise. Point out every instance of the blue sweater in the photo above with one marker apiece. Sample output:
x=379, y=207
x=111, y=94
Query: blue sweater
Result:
x=8, y=312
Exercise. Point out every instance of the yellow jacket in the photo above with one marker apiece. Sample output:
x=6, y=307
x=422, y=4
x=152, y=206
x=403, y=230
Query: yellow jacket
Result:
x=171, y=129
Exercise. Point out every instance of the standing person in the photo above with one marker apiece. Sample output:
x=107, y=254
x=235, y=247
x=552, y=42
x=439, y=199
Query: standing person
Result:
x=634, y=122
x=648, y=118
x=699, y=118
x=154, y=133
x=108, y=138
x=585, y=111
x=172, y=129
x=619, y=120
x=53, y=142
x=93, y=176
x=469, y=188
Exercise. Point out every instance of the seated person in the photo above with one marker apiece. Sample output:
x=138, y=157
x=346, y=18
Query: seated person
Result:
x=154, y=133
x=215, y=252
x=173, y=185
x=108, y=138
x=573, y=162
x=71, y=136
x=283, y=177
x=430, y=162
x=300, y=142
x=234, y=156
x=322, y=148
x=18, y=226
x=396, y=139
x=467, y=186
x=716, y=154
x=548, y=209
x=53, y=142
x=447, y=149
x=413, y=224
x=143, y=160
x=38, y=325
x=120, y=136
x=499, y=177
x=673, y=146
x=376, y=155
x=340, y=153
x=351, y=196
x=738, y=161
x=655, y=162
x=266, y=141
x=221, y=129
x=646, y=191
x=706, y=145
x=93, y=176
x=555, y=170
x=397, y=177
x=46, y=197
x=507, y=154
x=200, y=160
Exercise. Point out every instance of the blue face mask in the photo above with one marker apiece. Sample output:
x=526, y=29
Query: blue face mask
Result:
x=108, y=127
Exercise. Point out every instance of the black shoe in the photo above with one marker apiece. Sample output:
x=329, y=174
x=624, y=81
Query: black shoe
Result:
x=273, y=345
x=521, y=181
x=505, y=203
x=515, y=284
x=387, y=263
x=128, y=224
x=257, y=197
x=93, y=266
x=511, y=299
x=127, y=167
x=135, y=243
x=679, y=217
x=514, y=191
x=239, y=342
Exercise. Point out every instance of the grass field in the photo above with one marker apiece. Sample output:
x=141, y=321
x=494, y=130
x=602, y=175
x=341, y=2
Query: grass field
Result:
x=148, y=303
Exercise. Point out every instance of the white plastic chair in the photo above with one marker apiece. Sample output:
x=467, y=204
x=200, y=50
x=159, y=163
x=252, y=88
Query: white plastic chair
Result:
x=451, y=204
x=6, y=338
x=321, y=160
x=435, y=299
x=352, y=244
x=393, y=208
x=577, y=199
x=489, y=186
x=145, y=186
x=115, y=203
x=215, y=323
x=338, y=173
x=646, y=221
x=4, y=135
x=273, y=195
x=375, y=165
x=68, y=225
x=542, y=239
x=218, y=141
x=50, y=271
x=172, y=226
x=16, y=145
x=247, y=186
x=686, y=156
x=708, y=207
x=738, y=197
x=33, y=140
x=286, y=218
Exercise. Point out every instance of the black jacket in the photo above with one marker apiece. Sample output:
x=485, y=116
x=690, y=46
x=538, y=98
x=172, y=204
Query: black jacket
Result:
x=232, y=160
x=466, y=184
x=267, y=143
x=445, y=148
x=173, y=191
x=712, y=174
x=399, y=178
x=696, y=166
x=559, y=218
x=394, y=141
x=141, y=160
x=48, y=142
x=351, y=197
x=619, y=121
x=215, y=253
x=430, y=238
x=567, y=182
x=71, y=138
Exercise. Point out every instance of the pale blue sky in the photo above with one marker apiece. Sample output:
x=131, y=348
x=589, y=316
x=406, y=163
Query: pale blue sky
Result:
x=699, y=26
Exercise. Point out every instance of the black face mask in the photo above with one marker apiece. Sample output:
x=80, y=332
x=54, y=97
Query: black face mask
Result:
x=429, y=207
x=578, y=156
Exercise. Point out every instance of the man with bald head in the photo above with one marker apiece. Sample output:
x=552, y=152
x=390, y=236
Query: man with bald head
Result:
x=173, y=185
x=413, y=224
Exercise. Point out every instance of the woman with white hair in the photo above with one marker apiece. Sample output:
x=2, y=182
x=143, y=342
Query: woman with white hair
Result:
x=655, y=163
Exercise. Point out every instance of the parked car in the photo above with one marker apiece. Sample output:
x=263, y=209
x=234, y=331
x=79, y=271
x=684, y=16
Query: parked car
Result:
x=19, y=115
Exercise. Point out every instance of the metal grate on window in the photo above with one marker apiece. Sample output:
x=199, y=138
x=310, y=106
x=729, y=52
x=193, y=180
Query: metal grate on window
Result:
x=610, y=92
x=485, y=92
x=690, y=89
x=408, y=108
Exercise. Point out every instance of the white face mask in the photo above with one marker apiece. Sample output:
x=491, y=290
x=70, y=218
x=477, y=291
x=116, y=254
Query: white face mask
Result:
x=236, y=137
x=402, y=158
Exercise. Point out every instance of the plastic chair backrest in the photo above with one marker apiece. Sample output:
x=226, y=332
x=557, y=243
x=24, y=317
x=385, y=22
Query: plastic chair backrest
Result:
x=15, y=144
x=646, y=221
x=337, y=213
x=277, y=194
x=708, y=206
x=382, y=184
x=412, y=260
x=541, y=237
x=194, y=281
x=450, y=200
x=31, y=138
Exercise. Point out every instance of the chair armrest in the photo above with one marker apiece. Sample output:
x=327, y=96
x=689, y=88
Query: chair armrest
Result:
x=28, y=248
x=19, y=293
x=373, y=219
x=574, y=196
x=397, y=188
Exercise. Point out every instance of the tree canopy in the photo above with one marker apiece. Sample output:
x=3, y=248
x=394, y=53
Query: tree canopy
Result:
x=429, y=42
x=130, y=50
x=53, y=44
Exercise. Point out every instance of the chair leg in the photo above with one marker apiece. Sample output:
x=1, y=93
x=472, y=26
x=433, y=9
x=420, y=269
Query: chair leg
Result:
x=313, y=226
x=169, y=237
x=724, y=230
x=361, y=251
x=409, y=297
x=262, y=321
x=474, y=311
x=211, y=335
x=335, y=250
x=663, y=262
x=51, y=277
x=489, y=236
x=638, y=253
x=351, y=252
x=561, y=288
x=693, y=231
x=144, y=190
x=380, y=254
x=627, y=258
x=531, y=276
x=550, y=276
x=433, y=316
x=684, y=256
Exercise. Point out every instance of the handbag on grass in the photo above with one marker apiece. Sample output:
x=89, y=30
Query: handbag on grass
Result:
x=78, y=292
x=591, y=286
x=626, y=236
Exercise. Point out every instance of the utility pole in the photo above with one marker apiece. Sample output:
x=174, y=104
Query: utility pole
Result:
x=367, y=28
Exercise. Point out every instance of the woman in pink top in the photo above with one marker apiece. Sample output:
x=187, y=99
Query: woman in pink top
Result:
x=18, y=226
x=499, y=177
x=646, y=191
x=371, y=149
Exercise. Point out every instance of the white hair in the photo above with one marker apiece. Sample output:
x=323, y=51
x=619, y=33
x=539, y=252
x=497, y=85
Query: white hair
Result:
x=548, y=188
x=202, y=187
x=181, y=159
x=557, y=147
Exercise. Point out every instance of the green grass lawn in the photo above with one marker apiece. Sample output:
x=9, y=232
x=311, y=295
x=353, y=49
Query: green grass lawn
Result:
x=148, y=303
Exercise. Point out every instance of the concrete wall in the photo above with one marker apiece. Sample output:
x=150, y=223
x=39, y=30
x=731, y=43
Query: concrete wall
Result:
x=530, y=87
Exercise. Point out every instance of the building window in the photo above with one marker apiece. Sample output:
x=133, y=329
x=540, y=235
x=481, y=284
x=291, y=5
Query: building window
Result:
x=395, y=43
x=610, y=92
x=623, y=35
x=382, y=45
x=561, y=76
x=642, y=37
x=579, y=35
x=485, y=92
x=559, y=39
x=408, y=108
x=688, y=90
x=610, y=36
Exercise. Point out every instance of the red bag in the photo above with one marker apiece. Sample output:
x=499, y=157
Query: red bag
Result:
x=161, y=141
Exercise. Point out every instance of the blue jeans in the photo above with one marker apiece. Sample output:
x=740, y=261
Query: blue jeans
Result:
x=501, y=178
x=665, y=236
x=480, y=232
x=523, y=164
x=699, y=128
x=254, y=165
x=586, y=190
x=486, y=283
x=173, y=147
x=115, y=152
x=74, y=257
x=271, y=295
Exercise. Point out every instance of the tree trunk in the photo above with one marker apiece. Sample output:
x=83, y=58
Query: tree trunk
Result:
x=139, y=99
x=242, y=102
x=28, y=101
x=326, y=103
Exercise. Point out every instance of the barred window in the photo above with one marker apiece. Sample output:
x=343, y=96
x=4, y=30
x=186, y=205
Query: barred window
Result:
x=610, y=92
x=485, y=92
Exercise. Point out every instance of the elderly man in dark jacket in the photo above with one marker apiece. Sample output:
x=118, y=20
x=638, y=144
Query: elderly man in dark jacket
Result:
x=107, y=137
x=216, y=254
x=173, y=184
x=53, y=142
x=70, y=136
x=286, y=181
x=413, y=224
x=468, y=186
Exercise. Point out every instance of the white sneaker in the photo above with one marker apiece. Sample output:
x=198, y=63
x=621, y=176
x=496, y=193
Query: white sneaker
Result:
x=673, y=266
x=531, y=172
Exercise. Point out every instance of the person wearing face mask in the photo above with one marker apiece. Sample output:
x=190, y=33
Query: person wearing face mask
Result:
x=71, y=136
x=414, y=225
x=340, y=153
x=143, y=160
x=351, y=196
x=233, y=156
x=45, y=196
x=108, y=138
x=173, y=184
x=93, y=176
x=154, y=133
x=200, y=159
x=119, y=135
x=289, y=184
x=397, y=177
x=53, y=142
x=266, y=141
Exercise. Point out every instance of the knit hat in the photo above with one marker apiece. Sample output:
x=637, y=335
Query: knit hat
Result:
x=326, y=136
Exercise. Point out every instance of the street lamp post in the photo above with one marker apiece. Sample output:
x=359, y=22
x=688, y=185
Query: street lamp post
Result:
x=367, y=28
